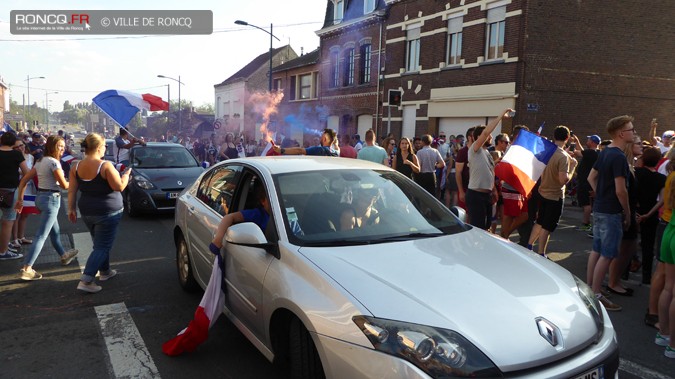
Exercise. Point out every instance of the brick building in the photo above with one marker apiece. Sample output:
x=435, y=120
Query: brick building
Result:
x=578, y=63
x=350, y=52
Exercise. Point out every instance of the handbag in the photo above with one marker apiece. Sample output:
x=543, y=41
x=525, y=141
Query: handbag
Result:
x=7, y=198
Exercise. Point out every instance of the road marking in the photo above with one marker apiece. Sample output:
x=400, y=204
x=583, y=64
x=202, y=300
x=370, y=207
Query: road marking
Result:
x=128, y=355
x=640, y=371
x=83, y=243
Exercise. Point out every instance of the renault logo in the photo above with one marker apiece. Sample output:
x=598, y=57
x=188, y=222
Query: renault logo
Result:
x=549, y=331
x=180, y=183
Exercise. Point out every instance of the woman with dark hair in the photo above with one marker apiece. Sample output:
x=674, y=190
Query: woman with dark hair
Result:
x=100, y=204
x=228, y=150
x=48, y=201
x=405, y=161
x=11, y=160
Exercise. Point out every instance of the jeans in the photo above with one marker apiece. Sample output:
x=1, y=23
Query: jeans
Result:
x=607, y=233
x=103, y=230
x=48, y=203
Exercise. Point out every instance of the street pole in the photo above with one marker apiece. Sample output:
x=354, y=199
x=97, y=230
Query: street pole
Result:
x=28, y=78
x=272, y=36
x=270, y=73
x=47, y=93
x=180, y=110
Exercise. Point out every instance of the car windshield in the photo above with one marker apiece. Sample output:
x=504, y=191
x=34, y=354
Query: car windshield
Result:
x=162, y=157
x=351, y=207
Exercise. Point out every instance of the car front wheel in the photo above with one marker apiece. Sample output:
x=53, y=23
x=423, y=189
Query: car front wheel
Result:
x=185, y=274
x=304, y=360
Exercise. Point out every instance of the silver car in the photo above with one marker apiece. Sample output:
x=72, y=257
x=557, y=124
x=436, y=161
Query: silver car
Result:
x=360, y=273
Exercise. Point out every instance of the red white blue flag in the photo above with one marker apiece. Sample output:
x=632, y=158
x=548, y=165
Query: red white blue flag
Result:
x=206, y=315
x=524, y=161
x=122, y=106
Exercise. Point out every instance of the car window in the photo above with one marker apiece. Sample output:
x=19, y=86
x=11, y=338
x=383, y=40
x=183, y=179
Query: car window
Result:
x=217, y=188
x=162, y=157
x=359, y=206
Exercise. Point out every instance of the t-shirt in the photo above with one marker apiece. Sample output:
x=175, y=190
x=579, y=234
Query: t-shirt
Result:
x=650, y=184
x=119, y=153
x=373, y=153
x=588, y=158
x=481, y=169
x=9, y=168
x=550, y=187
x=347, y=151
x=36, y=150
x=324, y=151
x=257, y=216
x=428, y=157
x=45, y=168
x=463, y=157
x=611, y=164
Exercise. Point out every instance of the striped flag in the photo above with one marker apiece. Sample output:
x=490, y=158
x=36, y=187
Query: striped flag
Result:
x=524, y=161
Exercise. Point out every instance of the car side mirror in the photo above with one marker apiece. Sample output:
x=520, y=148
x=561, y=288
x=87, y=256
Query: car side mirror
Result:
x=459, y=212
x=250, y=235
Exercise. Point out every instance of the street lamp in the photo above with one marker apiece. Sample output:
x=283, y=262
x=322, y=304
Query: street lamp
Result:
x=28, y=78
x=240, y=22
x=180, y=112
x=47, y=107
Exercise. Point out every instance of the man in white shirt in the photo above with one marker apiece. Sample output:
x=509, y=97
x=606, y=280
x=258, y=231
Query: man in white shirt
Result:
x=122, y=146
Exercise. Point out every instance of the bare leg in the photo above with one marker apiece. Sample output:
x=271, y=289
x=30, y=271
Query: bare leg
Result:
x=5, y=234
x=534, y=235
x=590, y=268
x=601, y=268
x=626, y=250
x=658, y=281
x=543, y=241
x=666, y=303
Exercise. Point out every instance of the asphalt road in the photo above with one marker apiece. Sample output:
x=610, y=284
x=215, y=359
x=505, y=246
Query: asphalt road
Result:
x=50, y=330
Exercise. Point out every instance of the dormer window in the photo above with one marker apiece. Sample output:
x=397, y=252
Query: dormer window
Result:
x=339, y=10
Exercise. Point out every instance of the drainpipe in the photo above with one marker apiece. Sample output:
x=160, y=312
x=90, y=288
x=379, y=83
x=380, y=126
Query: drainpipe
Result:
x=379, y=73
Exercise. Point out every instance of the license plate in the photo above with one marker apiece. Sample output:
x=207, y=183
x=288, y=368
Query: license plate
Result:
x=172, y=195
x=597, y=373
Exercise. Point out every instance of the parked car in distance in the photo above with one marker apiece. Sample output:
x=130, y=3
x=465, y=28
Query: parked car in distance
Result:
x=160, y=172
x=360, y=273
x=108, y=155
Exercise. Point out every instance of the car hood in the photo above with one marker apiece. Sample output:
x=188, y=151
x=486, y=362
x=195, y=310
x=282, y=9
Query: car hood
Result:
x=168, y=178
x=487, y=289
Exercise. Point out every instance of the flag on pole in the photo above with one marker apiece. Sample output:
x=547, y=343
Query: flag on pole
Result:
x=541, y=128
x=524, y=161
x=206, y=315
x=122, y=106
x=268, y=151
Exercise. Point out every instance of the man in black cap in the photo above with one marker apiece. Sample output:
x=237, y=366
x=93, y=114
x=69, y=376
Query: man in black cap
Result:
x=36, y=146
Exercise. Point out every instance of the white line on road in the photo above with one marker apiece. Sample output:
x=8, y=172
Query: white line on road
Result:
x=129, y=357
x=640, y=371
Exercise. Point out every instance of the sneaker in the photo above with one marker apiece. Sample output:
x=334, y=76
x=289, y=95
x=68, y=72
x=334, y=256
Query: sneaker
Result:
x=30, y=275
x=612, y=307
x=669, y=352
x=10, y=255
x=104, y=277
x=585, y=228
x=661, y=340
x=590, y=233
x=90, y=287
x=12, y=249
x=14, y=244
x=68, y=257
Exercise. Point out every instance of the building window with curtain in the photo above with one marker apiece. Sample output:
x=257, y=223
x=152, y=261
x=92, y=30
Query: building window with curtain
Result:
x=453, y=53
x=305, y=86
x=334, y=69
x=349, y=67
x=364, y=68
x=494, y=38
x=413, y=48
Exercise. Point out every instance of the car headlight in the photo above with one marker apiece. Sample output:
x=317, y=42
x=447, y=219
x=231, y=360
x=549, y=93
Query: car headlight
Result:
x=441, y=353
x=143, y=182
x=588, y=297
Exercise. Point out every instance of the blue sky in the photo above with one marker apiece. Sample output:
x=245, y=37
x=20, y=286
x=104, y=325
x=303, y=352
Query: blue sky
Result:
x=79, y=69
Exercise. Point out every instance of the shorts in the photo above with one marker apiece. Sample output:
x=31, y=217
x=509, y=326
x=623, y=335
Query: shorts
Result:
x=668, y=245
x=9, y=214
x=607, y=233
x=660, y=229
x=584, y=194
x=514, y=203
x=549, y=213
x=451, y=183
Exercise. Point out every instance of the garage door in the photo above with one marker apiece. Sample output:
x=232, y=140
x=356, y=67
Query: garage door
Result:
x=459, y=125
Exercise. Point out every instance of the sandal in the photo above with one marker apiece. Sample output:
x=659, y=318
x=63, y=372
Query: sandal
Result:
x=25, y=241
x=651, y=320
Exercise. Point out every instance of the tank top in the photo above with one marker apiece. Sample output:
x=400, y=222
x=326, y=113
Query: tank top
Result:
x=404, y=168
x=97, y=198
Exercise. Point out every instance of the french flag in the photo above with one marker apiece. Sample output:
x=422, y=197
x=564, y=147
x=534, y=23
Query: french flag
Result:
x=67, y=158
x=524, y=161
x=29, y=206
x=206, y=315
x=122, y=106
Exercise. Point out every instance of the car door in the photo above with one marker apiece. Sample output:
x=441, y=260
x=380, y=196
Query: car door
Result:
x=214, y=199
x=246, y=267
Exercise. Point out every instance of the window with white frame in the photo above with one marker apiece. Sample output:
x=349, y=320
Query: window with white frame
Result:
x=364, y=68
x=334, y=69
x=368, y=6
x=339, y=10
x=496, y=23
x=454, y=47
x=348, y=78
x=277, y=84
x=413, y=48
x=305, y=86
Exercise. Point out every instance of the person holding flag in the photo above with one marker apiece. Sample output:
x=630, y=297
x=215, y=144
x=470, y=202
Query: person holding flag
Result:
x=326, y=147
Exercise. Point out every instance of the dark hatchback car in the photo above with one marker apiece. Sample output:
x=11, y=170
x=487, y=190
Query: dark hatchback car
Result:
x=160, y=173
